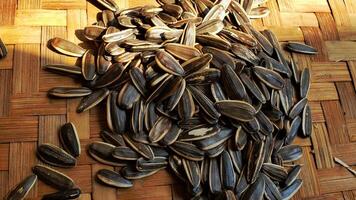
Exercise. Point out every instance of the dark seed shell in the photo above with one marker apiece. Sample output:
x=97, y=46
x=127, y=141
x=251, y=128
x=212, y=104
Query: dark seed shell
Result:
x=92, y=100
x=69, y=92
x=269, y=77
x=88, y=65
x=235, y=109
x=69, y=138
x=301, y=48
x=55, y=156
x=53, y=177
x=307, y=125
x=66, y=47
x=66, y=194
x=22, y=189
x=113, y=179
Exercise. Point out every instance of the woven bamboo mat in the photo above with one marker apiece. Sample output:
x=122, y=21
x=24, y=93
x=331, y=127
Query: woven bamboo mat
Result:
x=29, y=118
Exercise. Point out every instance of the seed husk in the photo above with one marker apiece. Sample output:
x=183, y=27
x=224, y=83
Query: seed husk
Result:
x=214, y=41
x=227, y=173
x=160, y=129
x=301, y=48
x=307, y=125
x=142, y=149
x=113, y=178
x=293, y=174
x=22, y=189
x=182, y=52
x=116, y=116
x=213, y=26
x=138, y=79
x=65, y=194
x=275, y=172
x=69, y=138
x=220, y=57
x=215, y=140
x=244, y=53
x=187, y=150
x=88, y=65
x=3, y=50
x=292, y=130
x=298, y=108
x=94, y=32
x=233, y=84
x=112, y=138
x=143, y=164
x=271, y=190
x=102, y=152
x=92, y=100
x=269, y=77
x=112, y=75
x=128, y=96
x=186, y=106
x=192, y=171
x=189, y=35
x=255, y=190
x=290, y=153
x=215, y=184
x=256, y=155
x=204, y=102
x=125, y=153
x=66, y=47
x=53, y=177
x=69, y=92
x=55, y=156
x=239, y=110
x=290, y=190
x=304, y=83
x=168, y=63
x=131, y=173
x=64, y=69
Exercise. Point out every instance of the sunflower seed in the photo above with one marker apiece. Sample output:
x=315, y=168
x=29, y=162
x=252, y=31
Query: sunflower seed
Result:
x=66, y=47
x=65, y=194
x=169, y=64
x=215, y=184
x=22, y=189
x=239, y=110
x=114, y=139
x=92, y=100
x=69, y=92
x=132, y=174
x=55, y=156
x=290, y=153
x=269, y=77
x=289, y=191
x=3, y=50
x=304, y=83
x=63, y=68
x=227, y=173
x=255, y=190
x=187, y=150
x=182, y=52
x=102, y=152
x=88, y=65
x=307, y=125
x=301, y=48
x=112, y=178
x=53, y=177
x=69, y=138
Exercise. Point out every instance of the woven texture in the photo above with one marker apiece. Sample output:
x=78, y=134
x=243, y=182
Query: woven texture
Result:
x=28, y=118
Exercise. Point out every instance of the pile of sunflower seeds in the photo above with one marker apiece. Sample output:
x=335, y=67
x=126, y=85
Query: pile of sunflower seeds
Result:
x=189, y=85
x=3, y=50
